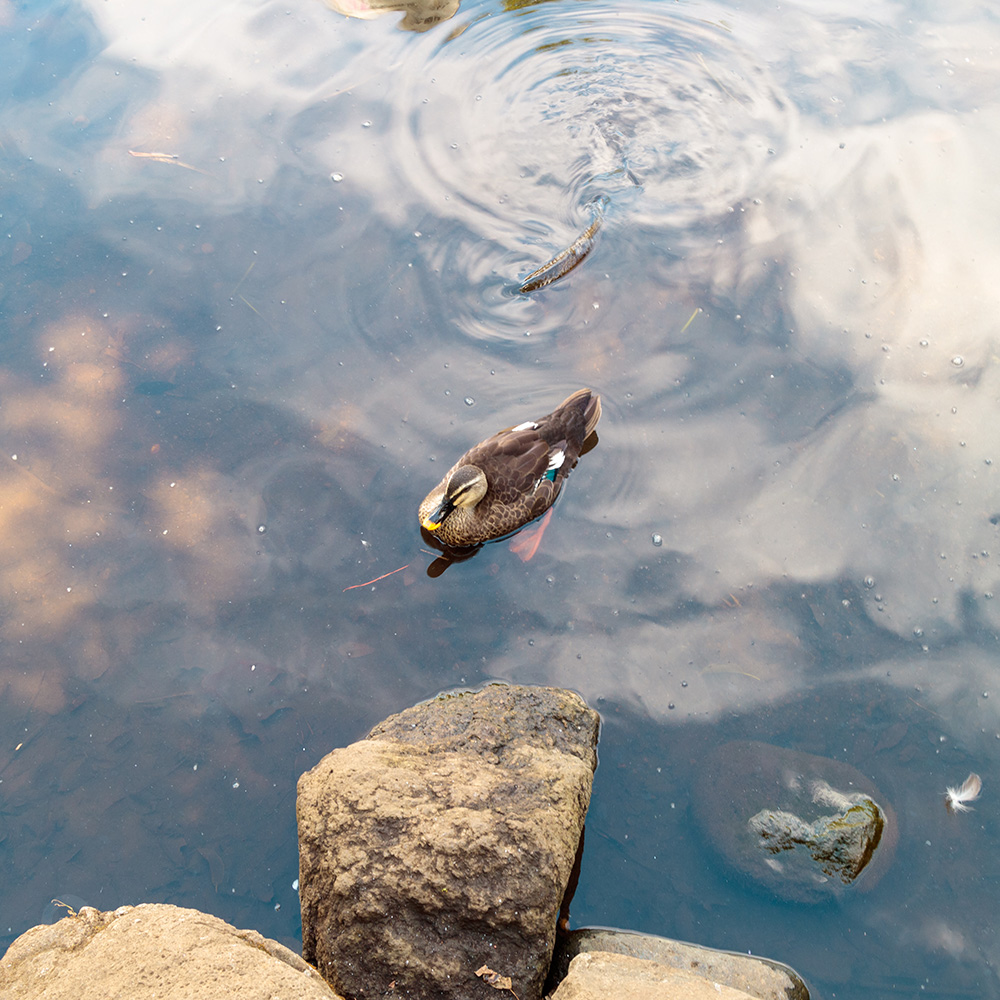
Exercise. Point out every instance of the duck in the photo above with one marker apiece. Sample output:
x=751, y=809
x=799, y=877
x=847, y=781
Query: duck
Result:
x=511, y=478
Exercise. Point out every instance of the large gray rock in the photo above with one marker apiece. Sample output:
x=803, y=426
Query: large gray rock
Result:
x=601, y=975
x=760, y=978
x=808, y=828
x=153, y=950
x=444, y=842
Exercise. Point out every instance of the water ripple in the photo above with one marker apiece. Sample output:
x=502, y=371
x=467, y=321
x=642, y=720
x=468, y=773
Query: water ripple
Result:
x=520, y=120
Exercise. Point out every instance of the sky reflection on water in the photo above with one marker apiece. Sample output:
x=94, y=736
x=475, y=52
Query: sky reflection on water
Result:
x=230, y=373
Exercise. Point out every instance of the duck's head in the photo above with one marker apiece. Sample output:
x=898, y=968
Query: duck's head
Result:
x=466, y=486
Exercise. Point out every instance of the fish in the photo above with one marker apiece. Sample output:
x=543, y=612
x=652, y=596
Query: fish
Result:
x=564, y=262
x=955, y=799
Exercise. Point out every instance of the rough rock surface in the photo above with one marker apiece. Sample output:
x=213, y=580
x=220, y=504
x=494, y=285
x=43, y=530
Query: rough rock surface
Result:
x=153, y=950
x=599, y=975
x=808, y=828
x=444, y=842
x=760, y=978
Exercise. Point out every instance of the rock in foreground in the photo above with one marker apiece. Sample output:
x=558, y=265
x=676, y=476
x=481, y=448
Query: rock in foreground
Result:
x=153, y=950
x=748, y=975
x=600, y=975
x=444, y=842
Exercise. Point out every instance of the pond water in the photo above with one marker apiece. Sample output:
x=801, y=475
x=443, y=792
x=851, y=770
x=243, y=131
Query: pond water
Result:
x=256, y=295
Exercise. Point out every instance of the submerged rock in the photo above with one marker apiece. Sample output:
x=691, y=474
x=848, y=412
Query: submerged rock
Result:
x=445, y=842
x=671, y=961
x=806, y=827
x=153, y=950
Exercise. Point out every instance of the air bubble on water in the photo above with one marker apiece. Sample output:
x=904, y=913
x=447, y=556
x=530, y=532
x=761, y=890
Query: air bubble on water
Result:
x=336, y=177
x=657, y=539
x=958, y=361
x=261, y=529
x=469, y=401
x=869, y=582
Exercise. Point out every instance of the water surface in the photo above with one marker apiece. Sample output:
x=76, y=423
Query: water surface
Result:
x=229, y=371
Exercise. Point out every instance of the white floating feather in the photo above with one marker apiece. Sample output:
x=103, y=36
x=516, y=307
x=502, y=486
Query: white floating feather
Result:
x=955, y=799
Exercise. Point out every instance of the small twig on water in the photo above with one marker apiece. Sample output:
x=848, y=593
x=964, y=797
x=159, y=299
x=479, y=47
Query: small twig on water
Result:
x=246, y=274
x=376, y=580
x=171, y=158
x=690, y=319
